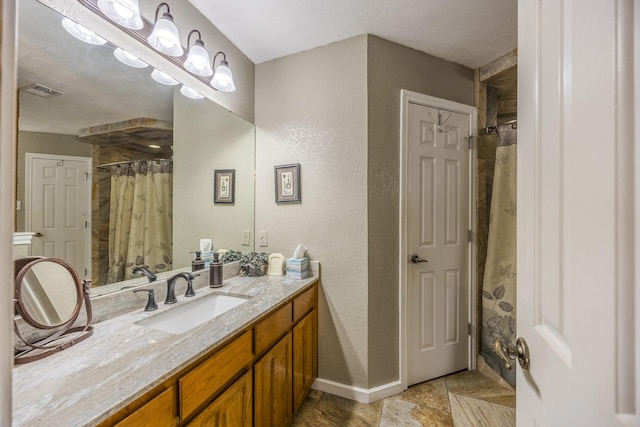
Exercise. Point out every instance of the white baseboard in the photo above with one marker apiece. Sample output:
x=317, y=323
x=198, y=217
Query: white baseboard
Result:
x=356, y=393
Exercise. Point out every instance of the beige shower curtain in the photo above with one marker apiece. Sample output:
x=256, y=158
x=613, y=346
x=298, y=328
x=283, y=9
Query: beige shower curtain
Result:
x=499, y=283
x=140, y=217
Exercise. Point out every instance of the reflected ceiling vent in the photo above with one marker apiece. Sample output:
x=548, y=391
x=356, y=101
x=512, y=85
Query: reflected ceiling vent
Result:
x=41, y=90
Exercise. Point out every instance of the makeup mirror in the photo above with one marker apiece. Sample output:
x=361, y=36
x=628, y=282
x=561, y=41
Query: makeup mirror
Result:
x=49, y=296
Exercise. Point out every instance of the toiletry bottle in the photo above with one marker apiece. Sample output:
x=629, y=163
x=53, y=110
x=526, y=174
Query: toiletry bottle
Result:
x=198, y=263
x=215, y=273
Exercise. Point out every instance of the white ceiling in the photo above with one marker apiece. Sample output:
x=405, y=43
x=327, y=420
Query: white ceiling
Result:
x=469, y=32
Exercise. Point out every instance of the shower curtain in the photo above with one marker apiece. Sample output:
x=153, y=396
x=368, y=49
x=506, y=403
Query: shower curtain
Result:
x=499, y=282
x=140, y=218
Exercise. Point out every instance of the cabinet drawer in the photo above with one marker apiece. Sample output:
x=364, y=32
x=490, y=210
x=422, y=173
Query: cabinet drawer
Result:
x=157, y=412
x=207, y=379
x=272, y=328
x=304, y=303
x=231, y=408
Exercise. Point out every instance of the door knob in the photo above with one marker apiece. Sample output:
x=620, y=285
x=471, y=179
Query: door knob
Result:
x=509, y=352
x=416, y=259
x=38, y=234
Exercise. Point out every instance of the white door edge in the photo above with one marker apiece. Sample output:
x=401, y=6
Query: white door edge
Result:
x=409, y=97
x=29, y=158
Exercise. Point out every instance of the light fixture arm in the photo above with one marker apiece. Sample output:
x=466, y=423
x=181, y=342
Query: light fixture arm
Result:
x=224, y=59
x=198, y=39
x=158, y=10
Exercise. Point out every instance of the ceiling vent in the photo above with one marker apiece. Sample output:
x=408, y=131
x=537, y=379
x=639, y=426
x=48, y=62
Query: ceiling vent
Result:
x=40, y=90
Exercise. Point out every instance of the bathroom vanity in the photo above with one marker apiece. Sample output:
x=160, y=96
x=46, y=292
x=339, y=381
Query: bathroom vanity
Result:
x=252, y=365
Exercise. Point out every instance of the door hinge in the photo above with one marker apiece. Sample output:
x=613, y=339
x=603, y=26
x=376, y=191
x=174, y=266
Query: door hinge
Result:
x=85, y=272
x=86, y=224
x=469, y=236
x=470, y=142
x=468, y=327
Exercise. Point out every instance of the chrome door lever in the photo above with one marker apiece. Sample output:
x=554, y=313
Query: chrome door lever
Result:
x=416, y=259
x=509, y=353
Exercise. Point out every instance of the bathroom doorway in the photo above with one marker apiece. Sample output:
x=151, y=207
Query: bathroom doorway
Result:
x=57, y=208
x=436, y=257
x=495, y=237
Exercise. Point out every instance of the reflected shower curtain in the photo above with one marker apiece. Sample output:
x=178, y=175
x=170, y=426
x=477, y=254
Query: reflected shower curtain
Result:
x=140, y=218
x=499, y=283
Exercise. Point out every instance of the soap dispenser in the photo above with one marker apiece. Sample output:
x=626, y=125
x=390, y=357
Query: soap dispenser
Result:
x=198, y=263
x=215, y=272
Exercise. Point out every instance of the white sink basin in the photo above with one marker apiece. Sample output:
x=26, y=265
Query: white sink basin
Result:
x=188, y=315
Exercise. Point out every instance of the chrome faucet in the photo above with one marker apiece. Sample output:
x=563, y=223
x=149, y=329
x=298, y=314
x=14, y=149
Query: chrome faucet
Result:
x=152, y=277
x=171, y=287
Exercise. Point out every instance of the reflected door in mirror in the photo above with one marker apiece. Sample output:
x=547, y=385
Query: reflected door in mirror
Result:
x=57, y=207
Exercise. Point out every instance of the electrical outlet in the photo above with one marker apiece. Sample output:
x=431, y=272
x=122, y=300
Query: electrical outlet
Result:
x=246, y=238
x=264, y=240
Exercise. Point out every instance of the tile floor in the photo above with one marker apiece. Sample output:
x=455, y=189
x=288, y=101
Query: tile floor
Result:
x=463, y=399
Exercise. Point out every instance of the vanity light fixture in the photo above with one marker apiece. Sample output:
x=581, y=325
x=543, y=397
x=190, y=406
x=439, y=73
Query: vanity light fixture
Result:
x=163, y=78
x=128, y=59
x=81, y=33
x=164, y=37
x=197, y=61
x=122, y=12
x=190, y=93
x=222, y=78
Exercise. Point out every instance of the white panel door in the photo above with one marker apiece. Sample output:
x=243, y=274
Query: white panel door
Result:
x=577, y=283
x=437, y=231
x=57, y=207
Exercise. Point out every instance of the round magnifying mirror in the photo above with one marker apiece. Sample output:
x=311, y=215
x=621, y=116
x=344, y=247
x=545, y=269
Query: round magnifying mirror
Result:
x=48, y=293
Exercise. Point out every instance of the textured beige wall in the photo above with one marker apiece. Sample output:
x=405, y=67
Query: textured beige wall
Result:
x=336, y=110
x=390, y=68
x=208, y=137
x=45, y=143
x=311, y=108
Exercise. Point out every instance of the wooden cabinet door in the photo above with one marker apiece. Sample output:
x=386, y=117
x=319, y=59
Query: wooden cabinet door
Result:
x=233, y=408
x=207, y=379
x=157, y=412
x=273, y=403
x=305, y=358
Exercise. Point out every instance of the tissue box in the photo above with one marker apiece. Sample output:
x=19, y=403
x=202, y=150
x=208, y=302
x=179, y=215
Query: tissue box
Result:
x=207, y=257
x=298, y=268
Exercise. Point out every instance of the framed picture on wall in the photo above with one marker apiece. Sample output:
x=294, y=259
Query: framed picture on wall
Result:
x=288, y=183
x=224, y=186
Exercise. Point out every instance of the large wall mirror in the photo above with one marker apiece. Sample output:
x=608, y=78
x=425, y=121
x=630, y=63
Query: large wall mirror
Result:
x=112, y=130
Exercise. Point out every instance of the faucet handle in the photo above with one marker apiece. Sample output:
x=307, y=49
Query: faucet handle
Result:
x=151, y=301
x=190, y=292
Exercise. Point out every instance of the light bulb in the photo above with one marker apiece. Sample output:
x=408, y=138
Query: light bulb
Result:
x=128, y=59
x=190, y=93
x=81, y=33
x=163, y=78
x=122, y=11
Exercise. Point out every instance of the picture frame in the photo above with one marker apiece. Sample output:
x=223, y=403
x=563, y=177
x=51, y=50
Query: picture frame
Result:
x=224, y=187
x=287, y=180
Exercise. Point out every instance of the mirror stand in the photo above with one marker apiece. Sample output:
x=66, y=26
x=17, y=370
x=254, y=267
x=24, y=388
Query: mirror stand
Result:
x=49, y=296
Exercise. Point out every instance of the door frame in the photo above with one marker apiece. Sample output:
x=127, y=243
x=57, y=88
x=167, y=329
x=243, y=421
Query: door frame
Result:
x=408, y=97
x=29, y=157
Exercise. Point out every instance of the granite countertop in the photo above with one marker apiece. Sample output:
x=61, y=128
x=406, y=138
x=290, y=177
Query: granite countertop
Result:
x=85, y=384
